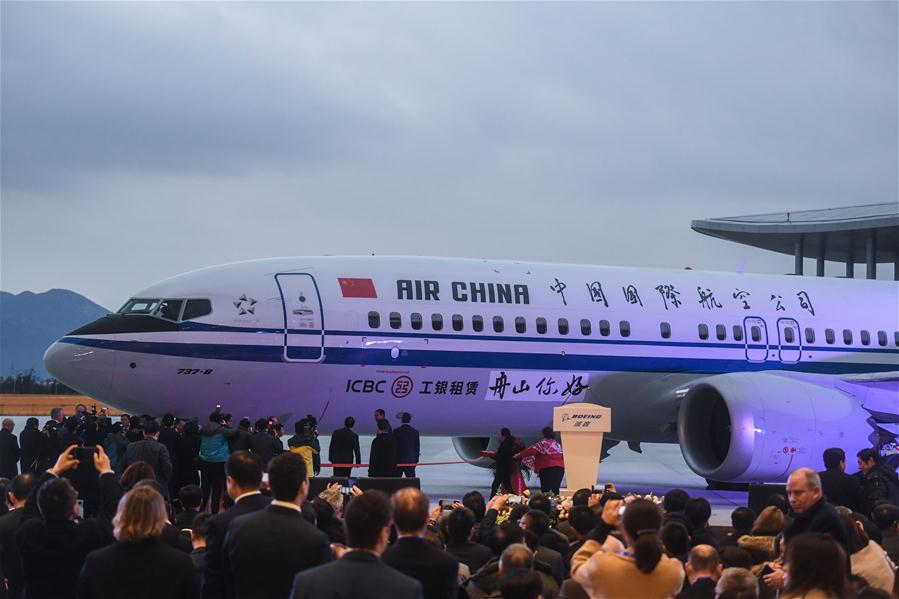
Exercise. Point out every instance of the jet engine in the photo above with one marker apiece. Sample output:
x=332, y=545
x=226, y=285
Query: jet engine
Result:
x=759, y=427
x=470, y=448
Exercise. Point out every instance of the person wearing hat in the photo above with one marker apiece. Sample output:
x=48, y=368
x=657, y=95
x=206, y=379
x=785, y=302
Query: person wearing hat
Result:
x=408, y=445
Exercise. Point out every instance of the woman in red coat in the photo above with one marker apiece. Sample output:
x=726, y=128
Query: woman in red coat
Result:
x=545, y=457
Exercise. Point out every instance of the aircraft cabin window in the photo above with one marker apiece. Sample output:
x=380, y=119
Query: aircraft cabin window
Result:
x=415, y=320
x=437, y=321
x=829, y=336
x=563, y=326
x=477, y=323
x=703, y=331
x=809, y=335
x=896, y=338
x=520, y=326
x=498, y=325
x=847, y=336
x=196, y=308
x=396, y=321
x=882, y=338
x=625, y=328
x=865, y=337
x=541, y=325
x=374, y=320
x=755, y=333
x=458, y=324
x=605, y=329
x=789, y=336
x=720, y=332
x=665, y=329
x=586, y=328
x=738, y=333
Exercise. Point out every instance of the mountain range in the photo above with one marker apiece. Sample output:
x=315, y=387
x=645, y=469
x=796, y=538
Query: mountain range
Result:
x=31, y=322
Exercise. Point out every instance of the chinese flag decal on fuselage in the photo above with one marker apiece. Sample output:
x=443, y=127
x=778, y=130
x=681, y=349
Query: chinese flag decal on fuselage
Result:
x=357, y=288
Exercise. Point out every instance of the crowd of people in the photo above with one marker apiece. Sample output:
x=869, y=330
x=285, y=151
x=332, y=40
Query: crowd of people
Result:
x=116, y=521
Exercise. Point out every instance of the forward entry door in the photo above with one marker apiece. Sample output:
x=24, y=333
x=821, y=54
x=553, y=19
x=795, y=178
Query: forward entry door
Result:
x=304, y=323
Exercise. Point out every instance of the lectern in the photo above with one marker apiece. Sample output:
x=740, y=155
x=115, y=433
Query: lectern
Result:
x=582, y=426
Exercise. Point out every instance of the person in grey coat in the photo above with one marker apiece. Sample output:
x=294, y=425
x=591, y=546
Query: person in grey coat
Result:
x=154, y=453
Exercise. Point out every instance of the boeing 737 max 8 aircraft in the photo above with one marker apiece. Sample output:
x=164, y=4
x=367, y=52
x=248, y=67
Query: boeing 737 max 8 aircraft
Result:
x=753, y=375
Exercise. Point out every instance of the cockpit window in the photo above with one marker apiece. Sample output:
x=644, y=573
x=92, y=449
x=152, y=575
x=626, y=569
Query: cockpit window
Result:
x=170, y=309
x=195, y=308
x=139, y=306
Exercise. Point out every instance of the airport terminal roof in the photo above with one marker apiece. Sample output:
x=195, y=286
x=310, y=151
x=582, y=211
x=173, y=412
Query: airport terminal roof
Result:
x=835, y=231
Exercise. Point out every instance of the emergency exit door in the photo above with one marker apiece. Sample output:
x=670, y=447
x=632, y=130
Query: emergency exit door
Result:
x=756, y=339
x=790, y=343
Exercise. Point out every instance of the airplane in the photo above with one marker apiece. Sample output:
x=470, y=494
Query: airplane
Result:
x=753, y=375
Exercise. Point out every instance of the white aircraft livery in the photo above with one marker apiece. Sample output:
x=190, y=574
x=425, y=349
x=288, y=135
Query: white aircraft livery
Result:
x=754, y=375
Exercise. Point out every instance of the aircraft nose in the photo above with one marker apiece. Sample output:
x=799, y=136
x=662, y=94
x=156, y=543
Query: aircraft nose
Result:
x=86, y=369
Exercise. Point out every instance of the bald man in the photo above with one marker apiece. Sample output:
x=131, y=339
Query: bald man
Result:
x=703, y=570
x=809, y=510
x=9, y=450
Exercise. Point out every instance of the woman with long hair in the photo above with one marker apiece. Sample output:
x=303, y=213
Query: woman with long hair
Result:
x=641, y=570
x=130, y=568
x=507, y=472
x=545, y=457
x=815, y=568
x=866, y=558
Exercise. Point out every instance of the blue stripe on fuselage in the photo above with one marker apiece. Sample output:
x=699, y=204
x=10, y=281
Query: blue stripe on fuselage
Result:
x=476, y=359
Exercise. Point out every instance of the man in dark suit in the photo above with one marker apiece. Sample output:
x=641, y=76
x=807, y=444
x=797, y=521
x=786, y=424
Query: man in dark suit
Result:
x=344, y=447
x=265, y=550
x=382, y=457
x=171, y=438
x=9, y=450
x=52, y=545
x=703, y=570
x=408, y=445
x=31, y=444
x=811, y=512
x=359, y=573
x=379, y=416
x=459, y=524
x=10, y=559
x=437, y=571
x=839, y=488
x=243, y=478
x=154, y=453
x=264, y=444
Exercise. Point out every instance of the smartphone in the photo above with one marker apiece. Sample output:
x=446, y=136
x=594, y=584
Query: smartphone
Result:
x=85, y=455
x=265, y=478
x=514, y=499
x=80, y=504
x=347, y=488
x=446, y=504
x=766, y=571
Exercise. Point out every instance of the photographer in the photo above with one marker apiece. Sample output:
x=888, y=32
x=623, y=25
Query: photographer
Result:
x=53, y=546
x=214, y=437
x=305, y=443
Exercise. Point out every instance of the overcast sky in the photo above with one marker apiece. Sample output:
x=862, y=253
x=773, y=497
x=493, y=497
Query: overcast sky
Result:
x=143, y=140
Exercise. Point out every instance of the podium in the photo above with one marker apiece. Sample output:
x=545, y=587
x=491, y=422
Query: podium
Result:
x=582, y=426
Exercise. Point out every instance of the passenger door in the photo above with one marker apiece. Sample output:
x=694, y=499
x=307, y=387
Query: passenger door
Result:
x=304, y=325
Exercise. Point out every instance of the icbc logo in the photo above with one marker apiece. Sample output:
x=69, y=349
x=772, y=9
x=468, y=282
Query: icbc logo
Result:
x=402, y=387
x=365, y=386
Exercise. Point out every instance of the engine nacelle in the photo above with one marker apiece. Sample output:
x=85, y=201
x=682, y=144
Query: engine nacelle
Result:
x=470, y=448
x=758, y=427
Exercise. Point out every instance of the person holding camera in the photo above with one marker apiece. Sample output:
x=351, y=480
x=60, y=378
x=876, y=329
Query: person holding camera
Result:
x=214, y=437
x=52, y=545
